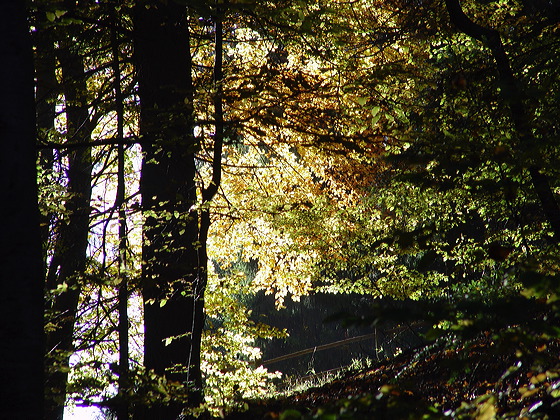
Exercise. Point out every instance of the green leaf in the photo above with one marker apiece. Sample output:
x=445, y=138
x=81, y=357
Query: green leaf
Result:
x=290, y=414
x=362, y=101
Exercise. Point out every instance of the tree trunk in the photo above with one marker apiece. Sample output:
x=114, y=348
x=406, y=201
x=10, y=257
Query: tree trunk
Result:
x=170, y=282
x=69, y=260
x=21, y=281
x=122, y=409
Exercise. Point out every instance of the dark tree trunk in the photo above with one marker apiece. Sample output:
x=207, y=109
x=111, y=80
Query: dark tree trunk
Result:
x=211, y=189
x=69, y=260
x=122, y=410
x=171, y=283
x=21, y=280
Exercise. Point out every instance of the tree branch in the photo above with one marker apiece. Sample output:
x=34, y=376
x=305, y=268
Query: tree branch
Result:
x=513, y=96
x=80, y=144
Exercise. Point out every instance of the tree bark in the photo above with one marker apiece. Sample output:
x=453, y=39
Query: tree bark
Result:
x=122, y=410
x=170, y=280
x=69, y=260
x=211, y=190
x=21, y=280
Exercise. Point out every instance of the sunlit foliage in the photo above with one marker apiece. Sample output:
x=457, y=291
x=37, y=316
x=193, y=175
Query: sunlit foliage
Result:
x=368, y=148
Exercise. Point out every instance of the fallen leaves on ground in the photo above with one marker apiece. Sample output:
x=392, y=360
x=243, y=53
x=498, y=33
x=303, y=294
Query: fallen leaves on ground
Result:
x=496, y=375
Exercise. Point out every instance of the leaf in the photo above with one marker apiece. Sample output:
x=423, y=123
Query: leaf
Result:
x=487, y=409
x=362, y=101
x=61, y=288
x=290, y=414
x=375, y=110
x=57, y=14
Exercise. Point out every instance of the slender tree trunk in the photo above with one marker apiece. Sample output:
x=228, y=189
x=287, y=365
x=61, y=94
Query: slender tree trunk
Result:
x=21, y=280
x=170, y=283
x=123, y=407
x=211, y=190
x=69, y=260
x=491, y=38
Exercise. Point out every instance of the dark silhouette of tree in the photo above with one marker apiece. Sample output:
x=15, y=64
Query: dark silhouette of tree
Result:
x=69, y=258
x=170, y=273
x=21, y=301
x=123, y=292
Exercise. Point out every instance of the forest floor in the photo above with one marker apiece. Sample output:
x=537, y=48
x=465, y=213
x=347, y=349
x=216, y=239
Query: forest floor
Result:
x=495, y=375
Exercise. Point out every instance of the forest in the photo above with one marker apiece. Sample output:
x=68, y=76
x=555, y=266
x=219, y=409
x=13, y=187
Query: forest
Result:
x=208, y=204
